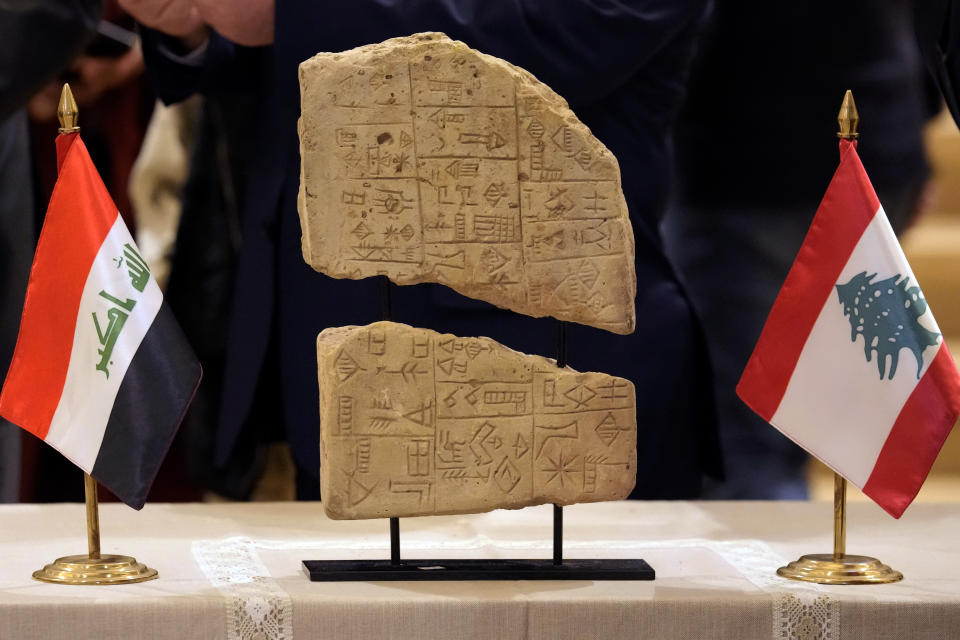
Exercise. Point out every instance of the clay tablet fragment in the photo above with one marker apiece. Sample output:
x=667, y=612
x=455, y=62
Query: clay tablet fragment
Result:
x=414, y=422
x=427, y=161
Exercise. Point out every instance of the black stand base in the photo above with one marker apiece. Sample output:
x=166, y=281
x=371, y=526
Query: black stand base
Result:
x=382, y=570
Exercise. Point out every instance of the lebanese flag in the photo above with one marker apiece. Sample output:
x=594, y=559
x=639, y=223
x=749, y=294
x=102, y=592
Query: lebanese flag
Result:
x=101, y=371
x=851, y=364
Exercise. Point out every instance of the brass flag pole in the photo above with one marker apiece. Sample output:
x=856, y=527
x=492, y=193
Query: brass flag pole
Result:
x=92, y=568
x=93, y=516
x=838, y=567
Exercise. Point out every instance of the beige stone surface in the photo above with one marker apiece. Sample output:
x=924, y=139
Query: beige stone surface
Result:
x=415, y=422
x=424, y=160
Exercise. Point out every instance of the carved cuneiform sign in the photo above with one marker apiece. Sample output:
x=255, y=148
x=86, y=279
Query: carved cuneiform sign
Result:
x=414, y=422
x=426, y=161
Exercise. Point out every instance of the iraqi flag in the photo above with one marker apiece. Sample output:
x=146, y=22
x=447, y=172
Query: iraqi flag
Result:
x=851, y=364
x=101, y=371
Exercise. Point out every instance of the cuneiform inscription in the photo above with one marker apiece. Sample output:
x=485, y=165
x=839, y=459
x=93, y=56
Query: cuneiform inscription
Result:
x=426, y=161
x=429, y=423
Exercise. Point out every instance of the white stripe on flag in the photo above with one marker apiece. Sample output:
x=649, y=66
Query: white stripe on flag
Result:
x=88, y=394
x=819, y=409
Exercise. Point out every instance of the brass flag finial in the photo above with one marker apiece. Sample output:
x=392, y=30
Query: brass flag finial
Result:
x=848, y=118
x=67, y=111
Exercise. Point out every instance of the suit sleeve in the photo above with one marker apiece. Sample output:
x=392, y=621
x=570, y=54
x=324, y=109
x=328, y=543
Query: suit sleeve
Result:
x=583, y=49
x=176, y=74
x=937, y=25
x=39, y=38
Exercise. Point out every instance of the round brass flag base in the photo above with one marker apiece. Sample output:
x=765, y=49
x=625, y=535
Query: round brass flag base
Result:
x=824, y=568
x=107, y=569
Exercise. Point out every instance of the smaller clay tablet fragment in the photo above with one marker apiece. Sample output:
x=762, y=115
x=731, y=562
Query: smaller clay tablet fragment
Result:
x=414, y=422
x=426, y=161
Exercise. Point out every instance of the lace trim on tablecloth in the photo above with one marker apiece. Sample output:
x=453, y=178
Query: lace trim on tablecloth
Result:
x=801, y=610
x=256, y=607
x=805, y=617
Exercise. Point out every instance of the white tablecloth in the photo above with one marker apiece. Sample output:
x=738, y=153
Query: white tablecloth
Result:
x=233, y=571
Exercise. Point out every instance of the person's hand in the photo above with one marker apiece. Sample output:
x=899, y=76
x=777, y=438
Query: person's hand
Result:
x=246, y=22
x=178, y=18
x=95, y=76
x=43, y=104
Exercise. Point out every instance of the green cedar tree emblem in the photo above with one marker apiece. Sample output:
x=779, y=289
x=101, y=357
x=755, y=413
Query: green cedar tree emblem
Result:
x=886, y=315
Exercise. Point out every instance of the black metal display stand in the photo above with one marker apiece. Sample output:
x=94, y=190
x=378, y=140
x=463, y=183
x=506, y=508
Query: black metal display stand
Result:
x=556, y=568
x=417, y=570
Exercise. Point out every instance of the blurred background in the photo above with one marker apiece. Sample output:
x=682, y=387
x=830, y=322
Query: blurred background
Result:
x=177, y=175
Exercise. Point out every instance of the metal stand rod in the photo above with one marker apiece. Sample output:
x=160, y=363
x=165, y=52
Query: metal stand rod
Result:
x=93, y=517
x=839, y=516
x=386, y=313
x=848, y=119
x=557, y=509
x=561, y=344
x=557, y=534
x=394, y=540
x=386, y=298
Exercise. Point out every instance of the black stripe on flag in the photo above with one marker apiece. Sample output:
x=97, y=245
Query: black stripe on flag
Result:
x=150, y=404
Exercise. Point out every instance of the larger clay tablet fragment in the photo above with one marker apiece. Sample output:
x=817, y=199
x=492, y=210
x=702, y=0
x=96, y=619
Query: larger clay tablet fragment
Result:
x=426, y=161
x=414, y=422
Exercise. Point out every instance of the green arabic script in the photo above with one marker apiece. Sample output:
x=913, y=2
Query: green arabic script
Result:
x=116, y=318
x=137, y=269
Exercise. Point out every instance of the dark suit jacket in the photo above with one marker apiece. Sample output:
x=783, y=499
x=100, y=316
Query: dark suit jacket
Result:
x=621, y=65
x=937, y=24
x=757, y=128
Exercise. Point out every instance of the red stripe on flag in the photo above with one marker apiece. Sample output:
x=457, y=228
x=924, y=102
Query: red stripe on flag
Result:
x=917, y=436
x=64, y=142
x=79, y=216
x=848, y=206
